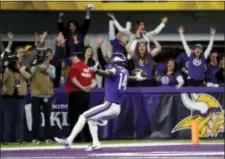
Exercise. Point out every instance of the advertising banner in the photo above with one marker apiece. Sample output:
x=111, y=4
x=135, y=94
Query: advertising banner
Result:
x=148, y=113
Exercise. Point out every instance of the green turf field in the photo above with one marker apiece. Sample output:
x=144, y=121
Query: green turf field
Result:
x=28, y=144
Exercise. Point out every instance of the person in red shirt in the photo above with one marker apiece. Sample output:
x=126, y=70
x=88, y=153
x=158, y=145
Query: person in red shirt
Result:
x=78, y=85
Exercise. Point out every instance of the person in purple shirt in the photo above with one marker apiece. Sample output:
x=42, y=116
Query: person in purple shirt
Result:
x=220, y=75
x=143, y=59
x=74, y=33
x=182, y=61
x=196, y=58
x=115, y=85
x=117, y=40
x=103, y=60
x=212, y=68
x=170, y=76
x=138, y=29
x=160, y=68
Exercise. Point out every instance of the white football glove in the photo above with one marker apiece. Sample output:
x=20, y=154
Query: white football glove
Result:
x=139, y=77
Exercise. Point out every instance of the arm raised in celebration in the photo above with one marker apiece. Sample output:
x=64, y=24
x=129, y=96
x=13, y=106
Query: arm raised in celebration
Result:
x=119, y=27
x=183, y=40
x=159, y=28
x=210, y=46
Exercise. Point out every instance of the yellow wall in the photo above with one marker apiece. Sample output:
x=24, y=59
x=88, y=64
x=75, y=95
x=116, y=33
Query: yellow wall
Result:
x=117, y=6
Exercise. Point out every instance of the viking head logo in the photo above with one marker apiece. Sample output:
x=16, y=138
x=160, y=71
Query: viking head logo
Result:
x=207, y=110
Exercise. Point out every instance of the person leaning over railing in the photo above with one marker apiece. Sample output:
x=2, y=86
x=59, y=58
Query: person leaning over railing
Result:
x=43, y=74
x=14, y=90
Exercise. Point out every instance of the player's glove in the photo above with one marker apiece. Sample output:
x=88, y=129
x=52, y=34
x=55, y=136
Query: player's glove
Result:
x=139, y=77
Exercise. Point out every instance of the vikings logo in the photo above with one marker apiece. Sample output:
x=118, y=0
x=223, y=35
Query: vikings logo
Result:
x=207, y=110
x=197, y=62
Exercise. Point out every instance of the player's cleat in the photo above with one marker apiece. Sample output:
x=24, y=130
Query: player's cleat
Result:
x=63, y=142
x=92, y=147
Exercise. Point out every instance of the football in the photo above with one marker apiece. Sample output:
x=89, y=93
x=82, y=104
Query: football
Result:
x=136, y=71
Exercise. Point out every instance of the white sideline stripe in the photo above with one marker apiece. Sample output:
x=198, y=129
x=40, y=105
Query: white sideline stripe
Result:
x=104, y=157
x=183, y=154
x=191, y=152
x=43, y=157
x=105, y=145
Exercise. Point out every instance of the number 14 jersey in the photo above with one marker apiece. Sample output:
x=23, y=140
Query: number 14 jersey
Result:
x=116, y=85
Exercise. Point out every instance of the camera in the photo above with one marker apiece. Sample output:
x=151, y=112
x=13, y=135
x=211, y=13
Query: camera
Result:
x=40, y=56
x=9, y=60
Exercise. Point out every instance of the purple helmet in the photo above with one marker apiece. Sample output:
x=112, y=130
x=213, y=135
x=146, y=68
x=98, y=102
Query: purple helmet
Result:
x=118, y=59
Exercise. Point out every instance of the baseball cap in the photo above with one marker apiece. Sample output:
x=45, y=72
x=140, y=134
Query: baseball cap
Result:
x=27, y=48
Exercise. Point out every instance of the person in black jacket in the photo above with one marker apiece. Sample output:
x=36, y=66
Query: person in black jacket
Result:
x=74, y=33
x=58, y=59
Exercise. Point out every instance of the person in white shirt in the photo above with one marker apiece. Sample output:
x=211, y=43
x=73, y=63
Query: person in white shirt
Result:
x=138, y=29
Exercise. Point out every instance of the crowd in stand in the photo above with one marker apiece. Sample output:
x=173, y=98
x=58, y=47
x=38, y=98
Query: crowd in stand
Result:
x=194, y=67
